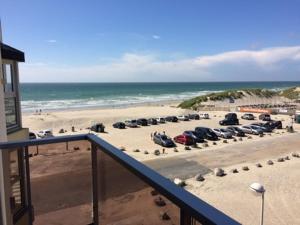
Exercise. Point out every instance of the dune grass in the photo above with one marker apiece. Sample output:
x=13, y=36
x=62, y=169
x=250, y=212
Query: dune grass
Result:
x=193, y=103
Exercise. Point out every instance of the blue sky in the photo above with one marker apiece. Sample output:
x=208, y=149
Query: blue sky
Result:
x=154, y=40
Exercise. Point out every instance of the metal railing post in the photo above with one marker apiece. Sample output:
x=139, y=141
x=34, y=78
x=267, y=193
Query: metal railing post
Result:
x=185, y=218
x=28, y=186
x=94, y=184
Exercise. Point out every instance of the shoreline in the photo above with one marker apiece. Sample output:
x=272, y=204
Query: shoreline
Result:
x=171, y=103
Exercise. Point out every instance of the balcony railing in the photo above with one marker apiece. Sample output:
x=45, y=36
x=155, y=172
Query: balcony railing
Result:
x=105, y=186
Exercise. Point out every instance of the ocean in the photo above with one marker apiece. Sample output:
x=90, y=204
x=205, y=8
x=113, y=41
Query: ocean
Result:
x=60, y=96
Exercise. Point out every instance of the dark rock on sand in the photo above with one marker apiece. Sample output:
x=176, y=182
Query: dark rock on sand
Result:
x=245, y=168
x=199, y=177
x=164, y=216
x=159, y=201
x=234, y=170
x=258, y=165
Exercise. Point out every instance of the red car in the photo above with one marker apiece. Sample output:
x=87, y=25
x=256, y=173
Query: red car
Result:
x=184, y=139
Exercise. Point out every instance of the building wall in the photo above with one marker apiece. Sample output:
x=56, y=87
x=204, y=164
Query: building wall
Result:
x=4, y=159
x=2, y=109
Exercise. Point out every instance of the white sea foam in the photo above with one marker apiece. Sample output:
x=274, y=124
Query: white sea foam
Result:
x=119, y=101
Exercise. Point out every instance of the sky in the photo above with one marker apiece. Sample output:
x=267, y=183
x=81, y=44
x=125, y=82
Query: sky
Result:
x=154, y=40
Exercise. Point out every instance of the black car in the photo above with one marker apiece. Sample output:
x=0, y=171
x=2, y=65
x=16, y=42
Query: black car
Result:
x=119, y=125
x=98, y=128
x=236, y=131
x=265, y=117
x=264, y=126
x=206, y=133
x=248, y=116
x=142, y=122
x=194, y=116
x=275, y=124
x=163, y=140
x=230, y=119
x=173, y=119
x=196, y=136
x=152, y=121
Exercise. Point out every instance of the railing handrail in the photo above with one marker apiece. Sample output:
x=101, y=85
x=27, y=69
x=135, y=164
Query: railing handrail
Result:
x=42, y=141
x=197, y=208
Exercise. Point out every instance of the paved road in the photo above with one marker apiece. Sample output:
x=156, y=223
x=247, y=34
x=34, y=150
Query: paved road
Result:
x=188, y=165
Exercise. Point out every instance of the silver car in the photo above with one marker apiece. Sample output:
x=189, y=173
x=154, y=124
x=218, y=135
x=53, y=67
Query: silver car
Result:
x=183, y=118
x=131, y=123
x=251, y=129
x=222, y=133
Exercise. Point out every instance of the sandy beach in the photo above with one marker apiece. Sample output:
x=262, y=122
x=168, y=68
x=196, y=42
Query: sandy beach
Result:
x=280, y=180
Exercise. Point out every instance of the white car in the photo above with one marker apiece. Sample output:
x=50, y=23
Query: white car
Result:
x=204, y=116
x=45, y=133
x=183, y=118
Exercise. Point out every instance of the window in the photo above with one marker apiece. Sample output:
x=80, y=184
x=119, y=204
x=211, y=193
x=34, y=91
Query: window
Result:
x=8, y=78
x=11, y=94
x=10, y=112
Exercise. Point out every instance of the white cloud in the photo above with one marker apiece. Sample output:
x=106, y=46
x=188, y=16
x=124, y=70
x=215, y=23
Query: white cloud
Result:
x=280, y=63
x=51, y=41
x=156, y=37
x=263, y=57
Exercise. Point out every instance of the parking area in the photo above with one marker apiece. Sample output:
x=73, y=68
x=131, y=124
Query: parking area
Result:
x=139, y=143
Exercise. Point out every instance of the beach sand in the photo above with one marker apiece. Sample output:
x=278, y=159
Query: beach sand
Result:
x=281, y=180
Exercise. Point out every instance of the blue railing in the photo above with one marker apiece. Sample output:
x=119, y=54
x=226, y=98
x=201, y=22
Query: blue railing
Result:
x=192, y=210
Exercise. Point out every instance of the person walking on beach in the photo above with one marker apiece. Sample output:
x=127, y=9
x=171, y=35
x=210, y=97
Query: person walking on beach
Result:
x=151, y=135
x=155, y=133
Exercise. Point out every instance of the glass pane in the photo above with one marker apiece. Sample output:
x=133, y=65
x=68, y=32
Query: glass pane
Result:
x=61, y=183
x=16, y=180
x=10, y=111
x=7, y=69
x=124, y=199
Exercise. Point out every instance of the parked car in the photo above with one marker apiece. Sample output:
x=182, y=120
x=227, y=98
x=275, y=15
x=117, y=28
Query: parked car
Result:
x=183, y=118
x=265, y=117
x=275, y=124
x=98, y=127
x=250, y=129
x=142, y=122
x=152, y=121
x=230, y=119
x=131, y=123
x=259, y=129
x=32, y=136
x=235, y=131
x=196, y=136
x=248, y=116
x=184, y=139
x=194, y=116
x=45, y=133
x=119, y=125
x=223, y=133
x=204, y=116
x=264, y=126
x=173, y=119
x=163, y=140
x=206, y=133
x=161, y=120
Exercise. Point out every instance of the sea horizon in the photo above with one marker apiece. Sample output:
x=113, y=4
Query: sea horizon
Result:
x=80, y=95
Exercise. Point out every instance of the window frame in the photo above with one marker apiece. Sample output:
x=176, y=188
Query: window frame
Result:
x=14, y=93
